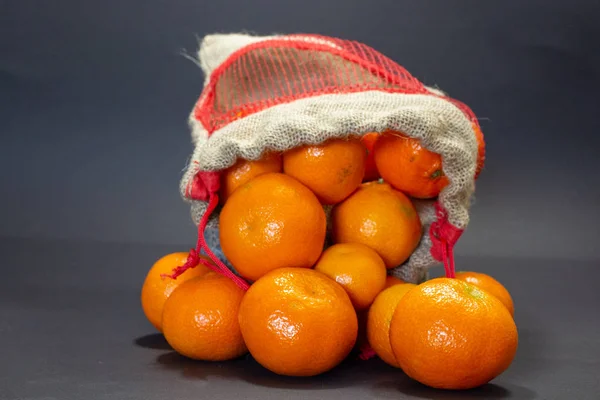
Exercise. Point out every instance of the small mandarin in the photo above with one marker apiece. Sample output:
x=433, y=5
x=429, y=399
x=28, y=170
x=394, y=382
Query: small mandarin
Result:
x=381, y=218
x=200, y=319
x=379, y=319
x=332, y=170
x=156, y=289
x=408, y=166
x=356, y=267
x=244, y=170
x=270, y=222
x=490, y=285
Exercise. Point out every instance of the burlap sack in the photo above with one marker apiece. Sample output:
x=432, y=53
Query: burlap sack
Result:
x=279, y=92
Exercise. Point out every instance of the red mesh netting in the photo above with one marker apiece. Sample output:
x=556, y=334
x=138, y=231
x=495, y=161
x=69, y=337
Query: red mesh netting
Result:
x=281, y=70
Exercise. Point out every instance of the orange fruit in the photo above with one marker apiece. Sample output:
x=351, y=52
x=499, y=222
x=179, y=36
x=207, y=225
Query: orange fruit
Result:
x=392, y=281
x=356, y=267
x=490, y=285
x=480, y=149
x=200, y=319
x=270, y=222
x=379, y=319
x=408, y=166
x=371, y=173
x=380, y=217
x=157, y=289
x=332, y=170
x=449, y=334
x=244, y=170
x=298, y=322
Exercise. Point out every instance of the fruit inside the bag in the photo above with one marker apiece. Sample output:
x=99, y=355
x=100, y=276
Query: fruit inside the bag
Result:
x=381, y=218
x=449, y=334
x=270, y=222
x=368, y=140
x=243, y=171
x=298, y=322
x=332, y=170
x=408, y=166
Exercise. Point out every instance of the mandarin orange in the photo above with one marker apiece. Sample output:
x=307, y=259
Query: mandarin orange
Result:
x=272, y=221
x=380, y=217
x=408, y=166
x=332, y=170
x=244, y=170
x=356, y=267
x=490, y=285
x=449, y=334
x=200, y=319
x=298, y=322
x=157, y=289
x=379, y=319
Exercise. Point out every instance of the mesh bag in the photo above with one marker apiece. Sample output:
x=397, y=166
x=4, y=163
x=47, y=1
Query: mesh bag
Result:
x=279, y=92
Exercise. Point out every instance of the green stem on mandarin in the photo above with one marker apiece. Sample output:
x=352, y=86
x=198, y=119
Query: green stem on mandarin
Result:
x=436, y=174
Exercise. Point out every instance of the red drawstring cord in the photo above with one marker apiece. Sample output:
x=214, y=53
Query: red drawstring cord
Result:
x=210, y=183
x=448, y=258
x=366, y=352
x=444, y=236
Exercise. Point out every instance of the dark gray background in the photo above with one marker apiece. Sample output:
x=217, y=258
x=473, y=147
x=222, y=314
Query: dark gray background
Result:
x=94, y=97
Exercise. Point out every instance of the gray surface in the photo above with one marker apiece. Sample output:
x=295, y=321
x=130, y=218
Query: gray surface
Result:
x=71, y=327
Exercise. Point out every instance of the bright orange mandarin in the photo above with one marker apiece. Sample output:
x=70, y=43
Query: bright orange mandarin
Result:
x=449, y=334
x=200, y=319
x=270, y=222
x=157, y=289
x=392, y=281
x=380, y=217
x=356, y=267
x=379, y=319
x=490, y=285
x=332, y=170
x=298, y=322
x=243, y=170
x=371, y=173
x=408, y=166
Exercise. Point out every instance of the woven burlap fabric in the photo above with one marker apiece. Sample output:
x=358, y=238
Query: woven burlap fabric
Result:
x=437, y=123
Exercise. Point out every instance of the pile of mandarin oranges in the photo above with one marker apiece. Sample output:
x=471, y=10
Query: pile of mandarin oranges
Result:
x=314, y=230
